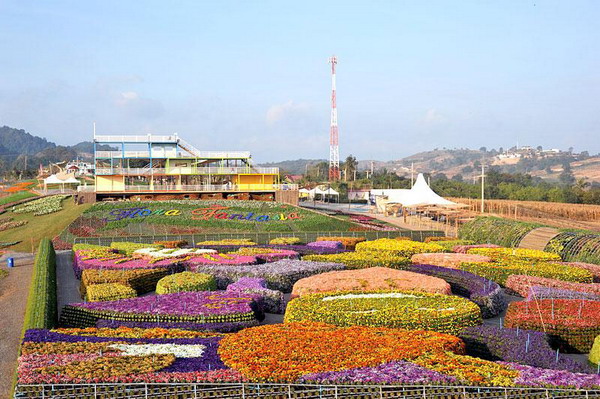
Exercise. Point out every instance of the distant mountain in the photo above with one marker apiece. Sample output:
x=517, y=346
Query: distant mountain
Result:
x=295, y=167
x=18, y=142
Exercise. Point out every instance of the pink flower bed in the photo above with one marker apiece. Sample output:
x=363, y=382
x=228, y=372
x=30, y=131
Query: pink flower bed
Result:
x=594, y=269
x=118, y=264
x=521, y=285
x=462, y=249
x=450, y=260
x=220, y=259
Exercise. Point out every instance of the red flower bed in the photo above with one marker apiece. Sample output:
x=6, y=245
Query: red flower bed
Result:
x=572, y=323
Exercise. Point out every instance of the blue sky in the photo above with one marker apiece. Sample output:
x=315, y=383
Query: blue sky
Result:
x=253, y=75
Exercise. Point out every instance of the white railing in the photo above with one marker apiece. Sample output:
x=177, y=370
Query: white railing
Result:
x=223, y=154
x=194, y=188
x=119, y=154
x=187, y=170
x=149, y=138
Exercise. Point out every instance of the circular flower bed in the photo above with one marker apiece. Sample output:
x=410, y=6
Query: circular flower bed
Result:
x=284, y=352
x=375, y=278
x=186, y=281
x=451, y=260
x=402, y=309
x=572, y=323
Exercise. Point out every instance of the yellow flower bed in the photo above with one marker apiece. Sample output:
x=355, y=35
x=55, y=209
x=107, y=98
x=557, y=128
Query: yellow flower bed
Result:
x=409, y=310
x=228, y=241
x=109, y=292
x=285, y=241
x=532, y=255
x=362, y=260
x=404, y=248
x=500, y=271
x=186, y=281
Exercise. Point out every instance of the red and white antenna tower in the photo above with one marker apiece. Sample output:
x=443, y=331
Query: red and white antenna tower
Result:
x=334, y=148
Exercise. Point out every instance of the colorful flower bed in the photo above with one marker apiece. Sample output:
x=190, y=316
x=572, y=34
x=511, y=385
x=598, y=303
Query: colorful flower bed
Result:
x=451, y=260
x=197, y=262
x=128, y=248
x=186, y=281
x=42, y=206
x=464, y=248
x=142, y=280
x=164, y=253
x=195, y=308
x=301, y=249
x=272, y=300
x=122, y=355
x=362, y=260
x=125, y=263
x=8, y=224
x=538, y=292
x=399, y=309
x=404, y=248
x=590, y=267
x=347, y=242
x=171, y=243
x=488, y=295
x=510, y=254
x=536, y=377
x=326, y=244
x=594, y=355
x=522, y=284
x=501, y=271
x=268, y=254
x=517, y=346
x=285, y=352
x=450, y=245
x=371, y=279
x=572, y=324
x=280, y=275
x=285, y=241
x=109, y=292
x=228, y=241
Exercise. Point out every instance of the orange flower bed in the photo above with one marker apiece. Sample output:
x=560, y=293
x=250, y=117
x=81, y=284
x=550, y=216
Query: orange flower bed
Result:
x=371, y=279
x=347, y=242
x=450, y=260
x=21, y=186
x=284, y=352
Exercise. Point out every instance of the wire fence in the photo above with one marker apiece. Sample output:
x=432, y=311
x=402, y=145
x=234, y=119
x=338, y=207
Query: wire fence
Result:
x=289, y=391
x=260, y=237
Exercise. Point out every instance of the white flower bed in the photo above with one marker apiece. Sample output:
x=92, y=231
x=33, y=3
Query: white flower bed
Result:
x=160, y=349
x=171, y=252
x=42, y=206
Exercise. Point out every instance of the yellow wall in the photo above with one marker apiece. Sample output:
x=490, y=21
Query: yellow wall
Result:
x=110, y=183
x=254, y=182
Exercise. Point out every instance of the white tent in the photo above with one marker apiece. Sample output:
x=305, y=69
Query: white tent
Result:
x=419, y=195
x=322, y=191
x=60, y=179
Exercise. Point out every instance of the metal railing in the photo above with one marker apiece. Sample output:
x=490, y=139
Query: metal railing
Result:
x=187, y=170
x=160, y=154
x=271, y=390
x=193, y=188
x=148, y=138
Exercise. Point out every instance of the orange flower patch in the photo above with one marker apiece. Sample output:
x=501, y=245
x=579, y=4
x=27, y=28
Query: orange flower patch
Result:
x=284, y=352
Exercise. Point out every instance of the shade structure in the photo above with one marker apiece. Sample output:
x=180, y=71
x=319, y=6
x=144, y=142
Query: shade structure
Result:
x=419, y=195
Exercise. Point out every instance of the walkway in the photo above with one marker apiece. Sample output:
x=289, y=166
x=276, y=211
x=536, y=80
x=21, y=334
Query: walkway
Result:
x=538, y=238
x=14, y=290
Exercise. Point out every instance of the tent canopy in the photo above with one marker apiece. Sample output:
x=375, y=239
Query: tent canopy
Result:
x=419, y=195
x=54, y=179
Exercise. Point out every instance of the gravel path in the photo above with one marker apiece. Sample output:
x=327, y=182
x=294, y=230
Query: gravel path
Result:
x=67, y=283
x=13, y=300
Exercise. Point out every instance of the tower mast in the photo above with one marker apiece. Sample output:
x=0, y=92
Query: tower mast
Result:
x=334, y=149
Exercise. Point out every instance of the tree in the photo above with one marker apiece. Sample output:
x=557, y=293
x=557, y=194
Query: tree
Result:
x=351, y=165
x=457, y=177
x=566, y=177
x=539, y=148
x=483, y=149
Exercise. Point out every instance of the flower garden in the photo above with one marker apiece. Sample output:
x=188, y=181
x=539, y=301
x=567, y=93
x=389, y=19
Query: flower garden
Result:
x=335, y=311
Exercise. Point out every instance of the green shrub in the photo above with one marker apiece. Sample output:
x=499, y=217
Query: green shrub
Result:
x=494, y=230
x=41, y=309
x=595, y=352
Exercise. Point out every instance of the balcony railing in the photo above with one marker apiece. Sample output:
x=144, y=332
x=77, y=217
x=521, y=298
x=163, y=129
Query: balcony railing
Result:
x=187, y=170
x=193, y=188
x=149, y=138
x=158, y=154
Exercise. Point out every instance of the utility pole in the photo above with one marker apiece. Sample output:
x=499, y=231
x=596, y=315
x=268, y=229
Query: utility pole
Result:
x=412, y=174
x=482, y=187
x=334, y=148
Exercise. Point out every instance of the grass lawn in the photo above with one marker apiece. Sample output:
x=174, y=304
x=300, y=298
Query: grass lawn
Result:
x=39, y=227
x=17, y=197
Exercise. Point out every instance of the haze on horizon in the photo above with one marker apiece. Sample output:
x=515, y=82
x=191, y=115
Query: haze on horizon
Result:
x=412, y=75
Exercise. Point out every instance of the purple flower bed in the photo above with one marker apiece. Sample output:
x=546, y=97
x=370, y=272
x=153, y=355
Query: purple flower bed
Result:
x=539, y=377
x=325, y=244
x=273, y=300
x=275, y=256
x=301, y=249
x=80, y=264
x=216, y=327
x=280, y=275
x=219, y=259
x=508, y=344
x=190, y=307
x=397, y=372
x=539, y=292
x=487, y=294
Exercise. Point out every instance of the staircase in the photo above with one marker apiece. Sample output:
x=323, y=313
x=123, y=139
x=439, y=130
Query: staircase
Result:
x=538, y=238
x=188, y=147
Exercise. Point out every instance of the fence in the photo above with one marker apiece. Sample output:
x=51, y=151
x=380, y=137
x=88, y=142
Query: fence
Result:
x=289, y=391
x=260, y=238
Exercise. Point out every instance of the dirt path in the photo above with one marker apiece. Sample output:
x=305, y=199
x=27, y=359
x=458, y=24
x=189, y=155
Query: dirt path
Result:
x=13, y=300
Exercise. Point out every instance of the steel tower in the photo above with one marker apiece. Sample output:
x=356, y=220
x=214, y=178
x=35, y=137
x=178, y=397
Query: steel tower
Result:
x=334, y=148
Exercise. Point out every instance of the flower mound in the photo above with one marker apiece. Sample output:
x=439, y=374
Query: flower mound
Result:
x=268, y=254
x=219, y=259
x=401, y=309
x=572, y=323
x=186, y=281
x=372, y=279
x=361, y=260
x=326, y=244
x=183, y=307
x=285, y=241
x=404, y=248
x=347, y=242
x=447, y=259
x=280, y=275
x=272, y=300
x=284, y=352
x=522, y=285
x=142, y=280
x=109, y=292
x=533, y=255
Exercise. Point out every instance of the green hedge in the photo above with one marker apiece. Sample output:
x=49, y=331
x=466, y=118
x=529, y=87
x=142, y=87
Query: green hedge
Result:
x=494, y=230
x=41, y=305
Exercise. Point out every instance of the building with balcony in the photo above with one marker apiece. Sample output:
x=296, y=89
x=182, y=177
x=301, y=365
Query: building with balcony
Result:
x=147, y=167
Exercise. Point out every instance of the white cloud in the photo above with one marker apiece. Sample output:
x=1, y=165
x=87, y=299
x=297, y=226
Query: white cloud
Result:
x=432, y=117
x=279, y=112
